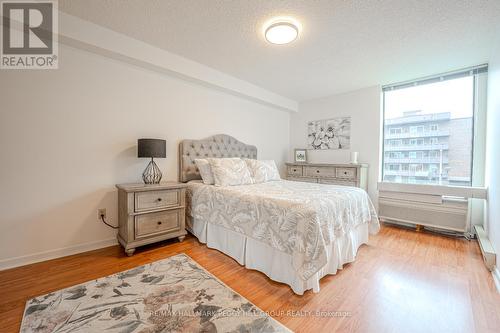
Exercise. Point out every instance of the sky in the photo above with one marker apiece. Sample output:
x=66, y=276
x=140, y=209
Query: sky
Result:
x=455, y=96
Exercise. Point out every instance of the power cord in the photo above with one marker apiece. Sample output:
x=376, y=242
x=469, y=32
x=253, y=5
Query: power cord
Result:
x=106, y=223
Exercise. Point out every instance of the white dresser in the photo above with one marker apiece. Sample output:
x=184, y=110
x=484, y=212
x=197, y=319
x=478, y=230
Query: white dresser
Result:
x=337, y=174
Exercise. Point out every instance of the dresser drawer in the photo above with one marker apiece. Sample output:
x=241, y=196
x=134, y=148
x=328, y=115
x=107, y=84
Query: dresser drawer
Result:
x=152, y=200
x=320, y=171
x=346, y=173
x=294, y=170
x=157, y=223
x=338, y=182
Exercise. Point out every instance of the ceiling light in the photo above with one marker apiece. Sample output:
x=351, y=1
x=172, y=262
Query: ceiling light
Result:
x=281, y=31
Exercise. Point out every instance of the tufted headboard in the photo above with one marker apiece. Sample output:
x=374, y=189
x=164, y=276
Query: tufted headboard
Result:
x=219, y=145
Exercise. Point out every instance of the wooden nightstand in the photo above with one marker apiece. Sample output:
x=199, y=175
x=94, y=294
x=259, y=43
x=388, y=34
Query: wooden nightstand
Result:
x=150, y=213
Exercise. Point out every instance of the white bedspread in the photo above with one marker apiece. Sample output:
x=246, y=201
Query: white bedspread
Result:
x=300, y=219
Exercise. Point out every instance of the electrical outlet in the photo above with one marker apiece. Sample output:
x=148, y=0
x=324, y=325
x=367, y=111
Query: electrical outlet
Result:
x=101, y=212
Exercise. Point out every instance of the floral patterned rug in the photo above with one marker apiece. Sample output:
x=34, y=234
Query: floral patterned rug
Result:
x=171, y=295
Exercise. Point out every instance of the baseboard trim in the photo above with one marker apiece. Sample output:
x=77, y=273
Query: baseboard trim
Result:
x=496, y=277
x=56, y=253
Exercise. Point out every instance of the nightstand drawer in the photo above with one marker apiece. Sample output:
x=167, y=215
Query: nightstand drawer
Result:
x=295, y=170
x=151, y=200
x=157, y=223
x=346, y=173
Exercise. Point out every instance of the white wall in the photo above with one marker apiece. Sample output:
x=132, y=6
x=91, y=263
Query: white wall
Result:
x=364, y=108
x=493, y=152
x=67, y=136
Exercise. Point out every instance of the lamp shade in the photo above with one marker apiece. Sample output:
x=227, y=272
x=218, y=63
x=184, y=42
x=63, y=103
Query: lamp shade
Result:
x=151, y=148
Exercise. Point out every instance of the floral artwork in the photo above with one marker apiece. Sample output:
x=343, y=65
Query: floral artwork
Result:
x=170, y=295
x=332, y=133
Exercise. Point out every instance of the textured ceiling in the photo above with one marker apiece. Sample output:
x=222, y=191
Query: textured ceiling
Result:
x=345, y=44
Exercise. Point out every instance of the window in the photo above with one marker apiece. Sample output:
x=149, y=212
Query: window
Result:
x=392, y=167
x=416, y=167
x=395, y=142
x=416, y=130
x=395, y=130
x=440, y=115
x=394, y=155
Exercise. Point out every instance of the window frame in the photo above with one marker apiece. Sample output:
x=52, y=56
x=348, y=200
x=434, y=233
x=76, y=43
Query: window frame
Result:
x=478, y=112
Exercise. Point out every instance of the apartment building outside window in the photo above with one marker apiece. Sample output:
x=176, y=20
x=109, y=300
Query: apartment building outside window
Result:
x=429, y=129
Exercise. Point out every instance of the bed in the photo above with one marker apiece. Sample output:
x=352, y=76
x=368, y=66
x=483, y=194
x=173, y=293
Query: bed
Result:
x=294, y=232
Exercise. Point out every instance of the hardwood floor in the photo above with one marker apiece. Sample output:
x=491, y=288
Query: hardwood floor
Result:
x=402, y=281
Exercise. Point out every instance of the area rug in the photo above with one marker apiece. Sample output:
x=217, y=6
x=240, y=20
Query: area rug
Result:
x=171, y=295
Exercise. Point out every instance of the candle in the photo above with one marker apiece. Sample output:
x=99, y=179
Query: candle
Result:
x=354, y=157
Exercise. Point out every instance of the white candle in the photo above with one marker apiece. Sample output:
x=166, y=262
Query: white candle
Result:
x=354, y=157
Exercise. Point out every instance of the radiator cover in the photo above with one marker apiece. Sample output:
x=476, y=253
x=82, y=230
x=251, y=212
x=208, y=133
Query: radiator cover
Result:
x=447, y=215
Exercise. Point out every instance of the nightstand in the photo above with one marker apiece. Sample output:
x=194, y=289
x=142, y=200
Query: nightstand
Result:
x=150, y=213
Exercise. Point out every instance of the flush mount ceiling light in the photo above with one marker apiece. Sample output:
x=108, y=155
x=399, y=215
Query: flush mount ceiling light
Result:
x=281, y=31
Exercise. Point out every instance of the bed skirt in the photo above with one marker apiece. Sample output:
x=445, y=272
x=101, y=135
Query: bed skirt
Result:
x=277, y=265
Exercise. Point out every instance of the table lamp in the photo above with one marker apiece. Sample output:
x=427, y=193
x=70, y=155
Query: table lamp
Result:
x=151, y=148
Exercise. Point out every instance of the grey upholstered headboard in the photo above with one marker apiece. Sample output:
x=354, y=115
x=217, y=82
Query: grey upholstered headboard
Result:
x=219, y=145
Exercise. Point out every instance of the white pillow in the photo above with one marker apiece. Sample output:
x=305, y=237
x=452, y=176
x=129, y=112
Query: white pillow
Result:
x=205, y=170
x=230, y=171
x=263, y=171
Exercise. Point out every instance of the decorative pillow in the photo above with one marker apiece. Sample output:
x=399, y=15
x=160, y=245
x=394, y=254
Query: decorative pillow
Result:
x=263, y=171
x=205, y=171
x=230, y=171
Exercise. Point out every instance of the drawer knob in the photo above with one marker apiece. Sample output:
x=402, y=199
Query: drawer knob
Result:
x=317, y=171
x=159, y=199
x=345, y=172
x=294, y=170
x=159, y=222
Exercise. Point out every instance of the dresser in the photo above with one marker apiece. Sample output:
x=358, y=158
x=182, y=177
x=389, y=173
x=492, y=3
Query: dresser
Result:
x=150, y=213
x=337, y=174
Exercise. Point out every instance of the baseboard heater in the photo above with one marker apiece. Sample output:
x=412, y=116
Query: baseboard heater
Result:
x=442, y=207
x=487, y=250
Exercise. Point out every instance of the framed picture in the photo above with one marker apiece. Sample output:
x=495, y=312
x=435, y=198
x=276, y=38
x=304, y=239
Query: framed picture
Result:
x=334, y=133
x=300, y=156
